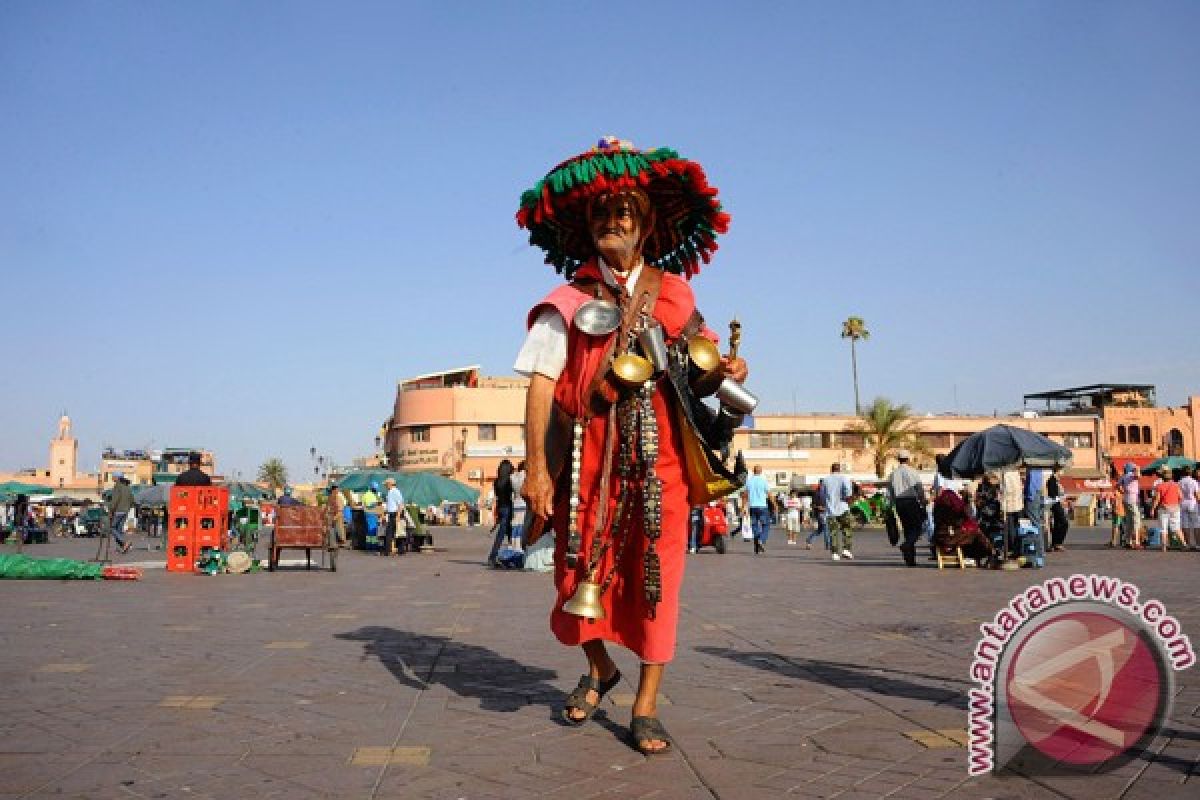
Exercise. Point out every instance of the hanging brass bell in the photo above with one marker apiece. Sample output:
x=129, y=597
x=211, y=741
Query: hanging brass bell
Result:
x=585, y=602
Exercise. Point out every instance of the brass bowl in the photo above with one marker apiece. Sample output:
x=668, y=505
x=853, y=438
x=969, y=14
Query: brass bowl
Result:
x=704, y=354
x=704, y=372
x=631, y=369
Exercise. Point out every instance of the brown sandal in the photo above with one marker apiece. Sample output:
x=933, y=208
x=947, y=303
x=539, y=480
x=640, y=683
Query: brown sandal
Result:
x=648, y=729
x=577, y=699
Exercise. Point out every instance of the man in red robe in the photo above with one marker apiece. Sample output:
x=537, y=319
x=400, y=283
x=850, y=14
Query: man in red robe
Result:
x=610, y=223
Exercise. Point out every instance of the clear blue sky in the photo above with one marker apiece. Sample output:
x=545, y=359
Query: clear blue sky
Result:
x=238, y=224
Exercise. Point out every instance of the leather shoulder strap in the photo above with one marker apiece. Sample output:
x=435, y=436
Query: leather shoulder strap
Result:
x=601, y=392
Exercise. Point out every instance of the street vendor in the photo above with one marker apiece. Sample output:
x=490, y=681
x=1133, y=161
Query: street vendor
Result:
x=628, y=228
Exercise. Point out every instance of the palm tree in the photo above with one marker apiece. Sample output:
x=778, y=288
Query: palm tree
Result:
x=273, y=473
x=854, y=329
x=887, y=428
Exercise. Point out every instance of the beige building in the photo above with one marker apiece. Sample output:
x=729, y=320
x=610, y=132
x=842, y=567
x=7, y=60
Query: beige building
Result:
x=1134, y=427
x=798, y=449
x=62, y=472
x=461, y=425
x=457, y=423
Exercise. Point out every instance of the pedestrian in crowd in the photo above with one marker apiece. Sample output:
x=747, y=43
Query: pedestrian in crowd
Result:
x=1060, y=522
x=193, y=475
x=20, y=518
x=502, y=490
x=395, y=536
x=1117, y=520
x=1012, y=500
x=757, y=493
x=335, y=514
x=792, y=516
x=907, y=496
x=1035, y=505
x=1167, y=506
x=1130, y=491
x=288, y=498
x=989, y=513
x=519, y=505
x=820, y=520
x=618, y=237
x=120, y=503
x=733, y=518
x=1189, y=508
x=836, y=490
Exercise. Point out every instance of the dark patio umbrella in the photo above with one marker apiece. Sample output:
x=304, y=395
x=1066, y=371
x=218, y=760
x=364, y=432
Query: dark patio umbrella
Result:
x=151, y=496
x=1002, y=447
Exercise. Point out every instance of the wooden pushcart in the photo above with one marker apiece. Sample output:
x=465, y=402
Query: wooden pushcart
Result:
x=301, y=527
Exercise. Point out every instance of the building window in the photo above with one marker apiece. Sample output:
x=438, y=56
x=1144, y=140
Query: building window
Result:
x=1135, y=434
x=487, y=433
x=806, y=440
x=419, y=433
x=938, y=441
x=1121, y=435
x=849, y=441
x=1175, y=442
x=1146, y=434
x=1077, y=439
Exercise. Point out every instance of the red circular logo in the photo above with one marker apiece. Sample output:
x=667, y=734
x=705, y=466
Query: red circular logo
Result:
x=1084, y=687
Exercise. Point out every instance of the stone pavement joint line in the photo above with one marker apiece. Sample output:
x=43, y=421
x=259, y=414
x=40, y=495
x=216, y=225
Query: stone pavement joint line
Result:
x=66, y=667
x=386, y=756
x=194, y=702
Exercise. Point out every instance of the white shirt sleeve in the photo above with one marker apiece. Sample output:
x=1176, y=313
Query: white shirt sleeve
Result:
x=545, y=347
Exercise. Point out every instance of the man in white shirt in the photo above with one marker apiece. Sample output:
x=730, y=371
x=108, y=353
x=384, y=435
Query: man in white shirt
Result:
x=1189, y=508
x=393, y=505
x=835, y=490
x=907, y=494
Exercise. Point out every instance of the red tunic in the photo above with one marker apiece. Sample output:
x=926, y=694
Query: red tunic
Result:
x=628, y=620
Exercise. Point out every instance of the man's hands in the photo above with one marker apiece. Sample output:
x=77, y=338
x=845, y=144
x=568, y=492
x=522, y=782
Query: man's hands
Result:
x=538, y=492
x=735, y=368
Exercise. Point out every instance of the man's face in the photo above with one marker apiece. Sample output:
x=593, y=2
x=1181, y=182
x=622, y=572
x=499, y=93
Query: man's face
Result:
x=616, y=228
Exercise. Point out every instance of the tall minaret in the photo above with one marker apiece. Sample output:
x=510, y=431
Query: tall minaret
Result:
x=64, y=454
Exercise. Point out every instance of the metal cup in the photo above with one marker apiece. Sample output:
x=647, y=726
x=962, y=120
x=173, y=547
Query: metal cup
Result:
x=738, y=397
x=654, y=347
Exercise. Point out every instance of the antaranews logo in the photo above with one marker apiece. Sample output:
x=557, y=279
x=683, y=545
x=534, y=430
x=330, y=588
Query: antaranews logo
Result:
x=1074, y=673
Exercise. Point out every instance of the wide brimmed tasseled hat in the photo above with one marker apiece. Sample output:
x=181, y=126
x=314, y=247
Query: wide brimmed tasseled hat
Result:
x=687, y=214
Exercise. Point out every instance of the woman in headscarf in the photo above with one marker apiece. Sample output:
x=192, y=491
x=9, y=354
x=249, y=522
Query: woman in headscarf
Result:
x=502, y=490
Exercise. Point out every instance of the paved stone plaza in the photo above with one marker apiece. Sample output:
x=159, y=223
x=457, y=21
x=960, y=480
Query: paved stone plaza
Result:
x=432, y=677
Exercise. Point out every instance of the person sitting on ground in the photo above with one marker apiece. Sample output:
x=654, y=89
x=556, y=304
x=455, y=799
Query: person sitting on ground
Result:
x=193, y=475
x=953, y=528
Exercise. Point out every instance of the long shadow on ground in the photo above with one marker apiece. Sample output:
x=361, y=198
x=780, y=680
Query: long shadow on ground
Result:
x=878, y=680
x=421, y=661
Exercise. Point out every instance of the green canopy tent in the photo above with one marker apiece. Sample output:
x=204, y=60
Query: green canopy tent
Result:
x=240, y=491
x=430, y=489
x=361, y=479
x=17, y=487
x=421, y=488
x=1171, y=462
